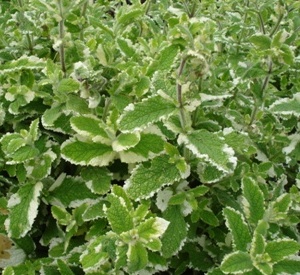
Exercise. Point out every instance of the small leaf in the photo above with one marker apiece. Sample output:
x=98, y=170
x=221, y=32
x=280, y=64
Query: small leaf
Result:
x=253, y=203
x=96, y=179
x=86, y=153
x=209, y=217
x=23, y=207
x=118, y=215
x=237, y=262
x=140, y=115
x=261, y=41
x=280, y=249
x=124, y=141
x=68, y=86
x=145, y=181
x=239, y=229
x=64, y=268
x=176, y=233
x=137, y=257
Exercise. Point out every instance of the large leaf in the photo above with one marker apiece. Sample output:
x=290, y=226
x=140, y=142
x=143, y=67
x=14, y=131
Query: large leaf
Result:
x=87, y=153
x=287, y=106
x=145, y=181
x=140, y=115
x=23, y=209
x=210, y=147
x=137, y=257
x=239, y=229
x=280, y=249
x=176, y=233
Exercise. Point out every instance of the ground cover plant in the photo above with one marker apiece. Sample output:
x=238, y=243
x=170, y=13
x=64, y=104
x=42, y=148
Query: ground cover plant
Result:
x=149, y=137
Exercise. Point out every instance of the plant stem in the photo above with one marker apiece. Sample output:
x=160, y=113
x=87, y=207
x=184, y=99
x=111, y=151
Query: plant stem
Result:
x=61, y=37
x=179, y=94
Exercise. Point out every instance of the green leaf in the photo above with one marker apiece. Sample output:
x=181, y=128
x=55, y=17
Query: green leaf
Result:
x=90, y=127
x=280, y=249
x=125, y=46
x=96, y=179
x=68, y=86
x=128, y=16
x=253, y=197
x=209, y=217
x=137, y=257
x=287, y=106
x=210, y=147
x=152, y=229
x=176, y=233
x=86, y=153
x=94, y=211
x=149, y=146
x=237, y=262
x=145, y=181
x=287, y=55
x=138, y=116
x=238, y=227
x=287, y=266
x=118, y=215
x=125, y=141
x=61, y=215
x=258, y=244
x=23, y=207
x=64, y=268
x=261, y=41
x=70, y=192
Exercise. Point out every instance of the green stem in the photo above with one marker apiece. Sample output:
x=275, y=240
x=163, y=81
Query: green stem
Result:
x=262, y=91
x=179, y=94
x=61, y=36
x=274, y=30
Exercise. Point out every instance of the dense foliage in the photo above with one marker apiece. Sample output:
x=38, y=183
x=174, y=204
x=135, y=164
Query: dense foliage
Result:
x=149, y=137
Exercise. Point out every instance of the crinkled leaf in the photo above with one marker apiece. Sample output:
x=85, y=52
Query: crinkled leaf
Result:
x=118, y=215
x=210, y=147
x=90, y=127
x=140, y=115
x=137, y=257
x=261, y=41
x=253, y=200
x=280, y=249
x=176, y=233
x=145, y=181
x=87, y=153
x=287, y=106
x=94, y=211
x=237, y=262
x=97, y=179
x=124, y=141
x=23, y=207
x=68, y=85
x=239, y=229
x=70, y=192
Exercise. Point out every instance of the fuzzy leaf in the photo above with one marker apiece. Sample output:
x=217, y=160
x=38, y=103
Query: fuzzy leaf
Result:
x=70, y=192
x=237, y=262
x=210, y=147
x=139, y=116
x=176, y=233
x=118, y=215
x=262, y=42
x=253, y=203
x=24, y=62
x=145, y=181
x=86, y=153
x=68, y=86
x=97, y=179
x=280, y=249
x=137, y=257
x=23, y=207
x=287, y=106
x=239, y=229
x=90, y=127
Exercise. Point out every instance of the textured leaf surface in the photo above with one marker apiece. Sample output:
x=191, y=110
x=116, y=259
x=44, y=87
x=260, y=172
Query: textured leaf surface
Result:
x=237, y=262
x=23, y=209
x=210, y=147
x=145, y=181
x=97, y=179
x=254, y=200
x=287, y=266
x=140, y=115
x=239, y=229
x=287, y=106
x=176, y=233
x=280, y=249
x=118, y=215
x=137, y=257
x=70, y=192
x=86, y=153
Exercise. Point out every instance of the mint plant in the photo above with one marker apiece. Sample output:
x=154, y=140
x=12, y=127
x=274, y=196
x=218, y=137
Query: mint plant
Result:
x=149, y=137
